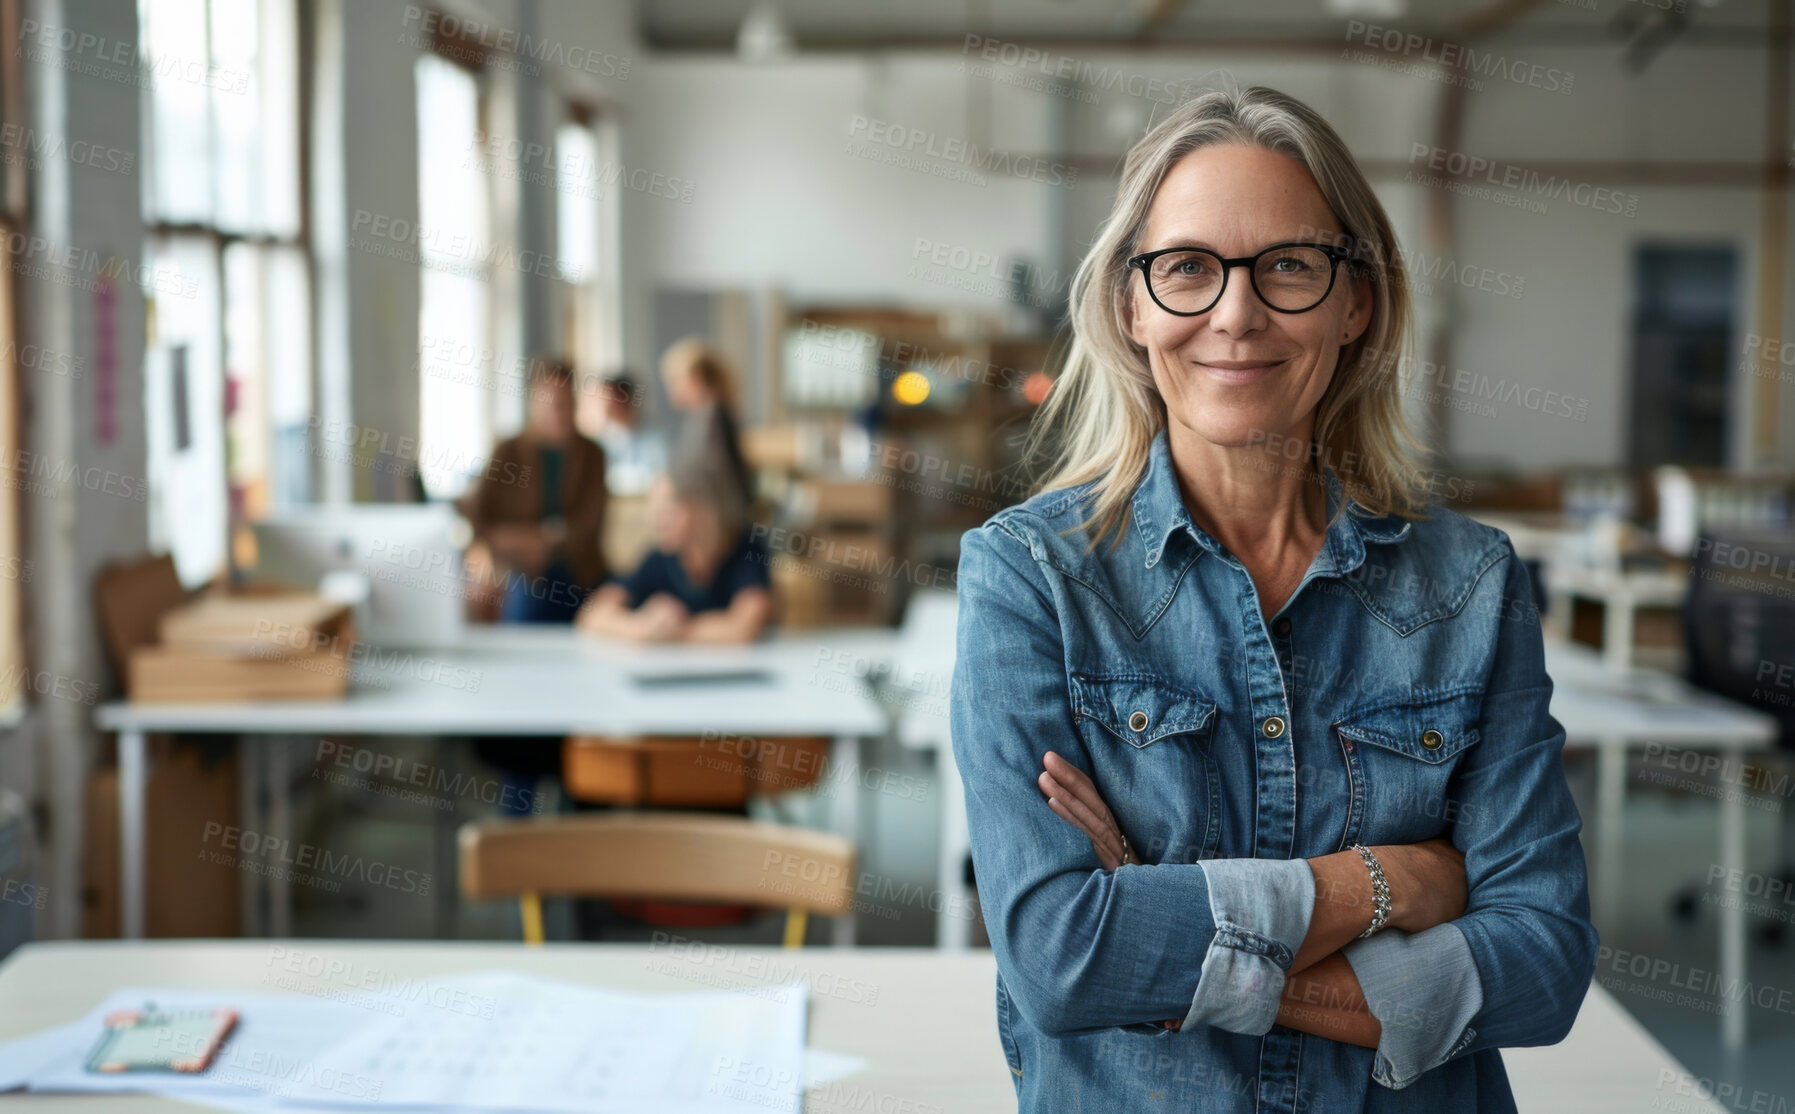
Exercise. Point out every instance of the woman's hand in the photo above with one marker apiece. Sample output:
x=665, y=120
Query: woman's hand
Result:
x=1074, y=798
x=1427, y=883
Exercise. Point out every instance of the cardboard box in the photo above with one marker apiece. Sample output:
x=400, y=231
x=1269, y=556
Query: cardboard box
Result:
x=259, y=645
x=184, y=895
x=225, y=649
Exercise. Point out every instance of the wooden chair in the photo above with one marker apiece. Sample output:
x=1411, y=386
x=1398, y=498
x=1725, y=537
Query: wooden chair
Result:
x=688, y=773
x=665, y=855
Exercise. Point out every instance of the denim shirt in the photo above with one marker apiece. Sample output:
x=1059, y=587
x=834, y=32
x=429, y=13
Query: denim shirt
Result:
x=1398, y=696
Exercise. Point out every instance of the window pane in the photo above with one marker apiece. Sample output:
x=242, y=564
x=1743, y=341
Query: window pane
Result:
x=455, y=311
x=453, y=218
x=183, y=396
x=576, y=209
x=175, y=50
x=453, y=409
x=268, y=372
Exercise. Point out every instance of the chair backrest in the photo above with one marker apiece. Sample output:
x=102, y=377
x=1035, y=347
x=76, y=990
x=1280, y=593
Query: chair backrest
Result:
x=666, y=855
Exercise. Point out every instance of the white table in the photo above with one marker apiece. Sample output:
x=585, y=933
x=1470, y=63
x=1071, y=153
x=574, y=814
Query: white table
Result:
x=1614, y=712
x=929, y=1037
x=531, y=681
x=1621, y=594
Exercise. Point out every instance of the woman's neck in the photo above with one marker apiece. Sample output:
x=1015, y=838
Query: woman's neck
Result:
x=1251, y=499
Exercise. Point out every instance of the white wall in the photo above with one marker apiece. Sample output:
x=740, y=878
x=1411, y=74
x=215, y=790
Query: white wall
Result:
x=779, y=201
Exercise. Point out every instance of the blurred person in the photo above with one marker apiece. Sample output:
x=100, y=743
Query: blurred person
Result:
x=706, y=579
x=1348, y=889
x=634, y=455
x=540, y=506
x=701, y=388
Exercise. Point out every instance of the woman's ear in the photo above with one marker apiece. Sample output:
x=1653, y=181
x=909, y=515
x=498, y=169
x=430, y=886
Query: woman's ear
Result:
x=1131, y=321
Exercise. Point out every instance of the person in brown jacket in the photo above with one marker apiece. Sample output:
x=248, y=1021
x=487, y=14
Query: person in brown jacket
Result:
x=540, y=506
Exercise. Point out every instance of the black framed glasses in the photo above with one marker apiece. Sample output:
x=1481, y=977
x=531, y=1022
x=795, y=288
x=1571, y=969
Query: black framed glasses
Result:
x=1289, y=278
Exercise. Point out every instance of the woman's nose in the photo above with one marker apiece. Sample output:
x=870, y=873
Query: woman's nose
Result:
x=1239, y=311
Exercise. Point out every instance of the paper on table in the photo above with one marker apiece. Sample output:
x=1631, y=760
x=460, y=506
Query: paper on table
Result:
x=821, y=1068
x=23, y=1057
x=556, y=1046
x=273, y=1048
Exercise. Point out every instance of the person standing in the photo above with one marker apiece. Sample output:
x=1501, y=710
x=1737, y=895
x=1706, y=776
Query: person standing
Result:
x=540, y=506
x=701, y=388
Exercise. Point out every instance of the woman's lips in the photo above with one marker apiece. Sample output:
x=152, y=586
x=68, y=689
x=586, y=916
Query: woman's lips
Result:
x=1238, y=371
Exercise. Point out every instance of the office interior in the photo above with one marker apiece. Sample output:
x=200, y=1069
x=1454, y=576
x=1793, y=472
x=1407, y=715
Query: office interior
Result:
x=284, y=276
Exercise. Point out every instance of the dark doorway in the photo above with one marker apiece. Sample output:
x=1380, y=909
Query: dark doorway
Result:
x=1682, y=324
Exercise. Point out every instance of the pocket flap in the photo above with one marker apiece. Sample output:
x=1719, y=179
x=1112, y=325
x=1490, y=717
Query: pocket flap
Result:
x=1140, y=709
x=1430, y=729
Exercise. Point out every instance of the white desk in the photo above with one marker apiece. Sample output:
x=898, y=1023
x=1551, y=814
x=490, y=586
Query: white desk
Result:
x=929, y=1036
x=1621, y=595
x=1615, y=712
x=548, y=681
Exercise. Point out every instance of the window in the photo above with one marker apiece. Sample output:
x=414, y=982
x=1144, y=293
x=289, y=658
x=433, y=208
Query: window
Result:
x=227, y=277
x=455, y=315
x=586, y=221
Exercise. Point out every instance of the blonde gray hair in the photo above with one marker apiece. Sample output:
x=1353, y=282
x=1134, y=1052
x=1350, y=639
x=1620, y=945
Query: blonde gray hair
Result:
x=1104, y=411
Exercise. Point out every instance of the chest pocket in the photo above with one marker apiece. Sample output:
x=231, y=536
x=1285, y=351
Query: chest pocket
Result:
x=1149, y=742
x=1400, y=756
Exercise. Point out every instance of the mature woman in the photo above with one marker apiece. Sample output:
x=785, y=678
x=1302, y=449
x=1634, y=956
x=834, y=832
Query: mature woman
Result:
x=1338, y=867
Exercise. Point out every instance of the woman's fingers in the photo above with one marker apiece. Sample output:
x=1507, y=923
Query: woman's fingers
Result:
x=1099, y=826
x=1077, y=783
x=1108, y=856
x=1074, y=798
x=1068, y=774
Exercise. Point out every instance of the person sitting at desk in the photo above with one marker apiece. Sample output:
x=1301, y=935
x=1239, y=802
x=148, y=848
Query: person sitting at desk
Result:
x=706, y=580
x=540, y=507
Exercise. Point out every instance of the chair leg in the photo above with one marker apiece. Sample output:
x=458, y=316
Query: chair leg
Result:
x=530, y=906
x=796, y=920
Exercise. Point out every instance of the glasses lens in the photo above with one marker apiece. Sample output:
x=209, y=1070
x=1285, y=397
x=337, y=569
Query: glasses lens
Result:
x=1185, y=281
x=1293, y=278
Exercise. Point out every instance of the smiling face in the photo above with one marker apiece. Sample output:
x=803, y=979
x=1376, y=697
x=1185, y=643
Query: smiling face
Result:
x=1242, y=372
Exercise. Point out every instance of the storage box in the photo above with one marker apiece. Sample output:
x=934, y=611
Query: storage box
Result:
x=238, y=648
x=263, y=643
x=188, y=788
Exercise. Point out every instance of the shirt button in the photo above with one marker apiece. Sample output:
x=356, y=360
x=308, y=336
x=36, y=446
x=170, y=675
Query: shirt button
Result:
x=1281, y=628
x=1273, y=727
x=1138, y=721
x=1432, y=739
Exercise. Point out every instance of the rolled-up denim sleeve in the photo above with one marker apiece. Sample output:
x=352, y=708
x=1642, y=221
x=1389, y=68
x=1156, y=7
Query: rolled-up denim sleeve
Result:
x=1424, y=990
x=1260, y=909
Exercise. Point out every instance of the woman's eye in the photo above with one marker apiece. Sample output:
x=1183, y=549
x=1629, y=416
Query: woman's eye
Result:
x=1189, y=267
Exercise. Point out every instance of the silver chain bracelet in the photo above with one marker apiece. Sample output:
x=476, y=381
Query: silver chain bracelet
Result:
x=1380, y=891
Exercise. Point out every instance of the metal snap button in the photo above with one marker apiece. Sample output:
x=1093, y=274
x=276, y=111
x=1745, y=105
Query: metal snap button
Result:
x=1432, y=739
x=1138, y=721
x=1273, y=727
x=1282, y=627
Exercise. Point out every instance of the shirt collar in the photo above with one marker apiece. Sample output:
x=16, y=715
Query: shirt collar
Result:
x=1159, y=512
